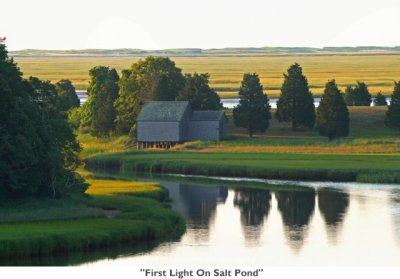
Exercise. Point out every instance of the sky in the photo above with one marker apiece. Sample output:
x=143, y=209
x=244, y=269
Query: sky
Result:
x=162, y=24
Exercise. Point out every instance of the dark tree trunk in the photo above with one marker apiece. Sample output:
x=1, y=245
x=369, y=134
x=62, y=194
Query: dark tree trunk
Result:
x=294, y=125
x=251, y=133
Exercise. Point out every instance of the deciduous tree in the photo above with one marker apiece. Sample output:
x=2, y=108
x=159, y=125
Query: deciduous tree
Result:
x=199, y=94
x=38, y=149
x=99, y=112
x=67, y=94
x=152, y=79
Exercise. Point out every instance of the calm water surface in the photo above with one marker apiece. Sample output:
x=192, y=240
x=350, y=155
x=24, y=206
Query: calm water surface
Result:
x=276, y=223
x=227, y=103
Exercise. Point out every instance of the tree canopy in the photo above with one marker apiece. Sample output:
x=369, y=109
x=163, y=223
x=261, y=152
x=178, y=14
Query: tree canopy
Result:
x=199, y=94
x=99, y=113
x=392, y=119
x=38, y=149
x=332, y=113
x=67, y=95
x=152, y=79
x=380, y=100
x=253, y=110
x=296, y=103
x=358, y=95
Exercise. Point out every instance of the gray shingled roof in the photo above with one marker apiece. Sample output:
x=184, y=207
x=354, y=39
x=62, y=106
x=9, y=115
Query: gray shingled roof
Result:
x=163, y=111
x=206, y=115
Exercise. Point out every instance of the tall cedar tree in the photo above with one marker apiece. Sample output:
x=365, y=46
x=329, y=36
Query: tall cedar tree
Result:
x=296, y=103
x=38, y=149
x=363, y=94
x=358, y=95
x=380, y=100
x=152, y=79
x=332, y=113
x=67, y=94
x=392, y=119
x=199, y=94
x=253, y=110
x=99, y=112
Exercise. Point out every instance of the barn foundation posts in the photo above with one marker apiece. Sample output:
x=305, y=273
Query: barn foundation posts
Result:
x=159, y=145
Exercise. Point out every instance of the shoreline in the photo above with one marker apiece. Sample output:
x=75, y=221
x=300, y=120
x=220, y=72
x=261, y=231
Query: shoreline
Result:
x=164, y=162
x=142, y=217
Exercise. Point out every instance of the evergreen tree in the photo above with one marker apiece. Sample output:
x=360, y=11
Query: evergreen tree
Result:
x=253, y=110
x=358, y=95
x=363, y=94
x=38, y=149
x=380, y=100
x=152, y=79
x=99, y=112
x=296, y=103
x=199, y=94
x=332, y=113
x=350, y=96
x=68, y=97
x=392, y=119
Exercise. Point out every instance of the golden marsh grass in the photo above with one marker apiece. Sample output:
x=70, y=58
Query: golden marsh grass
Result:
x=378, y=71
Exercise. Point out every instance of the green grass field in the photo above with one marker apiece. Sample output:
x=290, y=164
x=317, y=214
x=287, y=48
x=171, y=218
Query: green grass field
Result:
x=378, y=71
x=334, y=167
x=368, y=135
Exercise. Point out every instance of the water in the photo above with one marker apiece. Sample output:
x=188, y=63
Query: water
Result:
x=231, y=103
x=277, y=223
x=227, y=103
x=82, y=96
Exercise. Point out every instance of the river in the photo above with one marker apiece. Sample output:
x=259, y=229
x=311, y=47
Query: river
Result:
x=250, y=222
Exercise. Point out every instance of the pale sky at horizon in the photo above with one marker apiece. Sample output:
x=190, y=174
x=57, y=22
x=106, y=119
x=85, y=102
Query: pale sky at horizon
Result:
x=157, y=24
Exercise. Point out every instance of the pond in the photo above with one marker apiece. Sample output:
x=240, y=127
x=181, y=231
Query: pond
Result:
x=250, y=222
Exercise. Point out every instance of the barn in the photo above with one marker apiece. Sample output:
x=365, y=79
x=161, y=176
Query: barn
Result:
x=165, y=123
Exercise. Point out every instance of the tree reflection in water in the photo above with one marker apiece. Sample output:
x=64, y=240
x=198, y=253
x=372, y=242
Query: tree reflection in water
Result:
x=199, y=204
x=296, y=208
x=395, y=208
x=333, y=206
x=254, y=206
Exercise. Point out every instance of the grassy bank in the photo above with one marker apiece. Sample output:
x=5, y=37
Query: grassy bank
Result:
x=332, y=167
x=115, y=213
x=371, y=153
